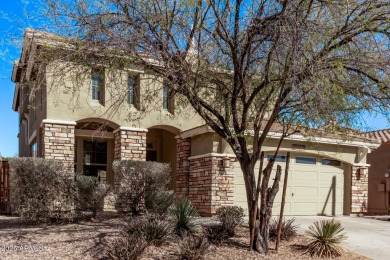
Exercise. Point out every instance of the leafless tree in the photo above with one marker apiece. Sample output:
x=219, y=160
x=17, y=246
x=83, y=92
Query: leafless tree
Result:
x=246, y=66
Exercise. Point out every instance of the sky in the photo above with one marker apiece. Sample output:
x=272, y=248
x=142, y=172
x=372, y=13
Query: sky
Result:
x=15, y=17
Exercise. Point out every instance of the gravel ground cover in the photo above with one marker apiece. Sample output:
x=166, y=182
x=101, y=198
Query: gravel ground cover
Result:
x=87, y=240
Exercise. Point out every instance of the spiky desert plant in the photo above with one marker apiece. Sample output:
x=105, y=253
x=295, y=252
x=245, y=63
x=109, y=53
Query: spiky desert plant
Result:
x=183, y=215
x=326, y=236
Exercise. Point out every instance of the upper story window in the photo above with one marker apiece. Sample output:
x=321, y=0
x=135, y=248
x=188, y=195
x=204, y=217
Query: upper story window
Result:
x=165, y=96
x=168, y=101
x=98, y=85
x=133, y=90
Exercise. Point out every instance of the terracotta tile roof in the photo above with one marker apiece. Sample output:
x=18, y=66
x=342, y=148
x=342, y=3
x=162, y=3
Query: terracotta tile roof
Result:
x=382, y=136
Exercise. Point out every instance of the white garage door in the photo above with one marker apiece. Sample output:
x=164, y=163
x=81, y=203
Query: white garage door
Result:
x=315, y=186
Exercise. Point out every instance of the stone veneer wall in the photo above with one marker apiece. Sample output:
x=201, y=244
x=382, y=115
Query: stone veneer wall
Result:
x=211, y=184
x=130, y=144
x=359, y=190
x=58, y=142
x=182, y=167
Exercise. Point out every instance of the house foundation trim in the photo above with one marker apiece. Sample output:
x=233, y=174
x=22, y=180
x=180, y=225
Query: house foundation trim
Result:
x=361, y=165
x=57, y=122
x=226, y=155
x=134, y=129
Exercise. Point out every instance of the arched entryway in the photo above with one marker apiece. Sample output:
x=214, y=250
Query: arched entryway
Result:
x=94, y=148
x=161, y=147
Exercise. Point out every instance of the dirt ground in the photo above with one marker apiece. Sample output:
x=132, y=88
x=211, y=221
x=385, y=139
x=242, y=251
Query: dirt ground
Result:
x=87, y=240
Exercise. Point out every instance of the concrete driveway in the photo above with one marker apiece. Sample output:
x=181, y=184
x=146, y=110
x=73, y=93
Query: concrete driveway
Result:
x=367, y=237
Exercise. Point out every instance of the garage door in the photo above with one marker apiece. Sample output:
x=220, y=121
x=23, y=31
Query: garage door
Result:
x=315, y=186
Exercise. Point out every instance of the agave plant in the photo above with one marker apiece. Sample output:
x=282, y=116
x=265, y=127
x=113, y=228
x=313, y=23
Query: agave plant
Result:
x=326, y=236
x=184, y=215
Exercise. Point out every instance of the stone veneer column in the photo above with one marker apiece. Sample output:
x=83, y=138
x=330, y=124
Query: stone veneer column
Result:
x=58, y=140
x=130, y=143
x=359, y=189
x=211, y=182
x=183, y=166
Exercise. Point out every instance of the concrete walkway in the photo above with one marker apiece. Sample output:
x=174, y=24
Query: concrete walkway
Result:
x=367, y=237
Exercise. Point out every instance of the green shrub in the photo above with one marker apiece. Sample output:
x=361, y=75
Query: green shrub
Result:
x=139, y=182
x=150, y=227
x=288, y=230
x=183, y=215
x=159, y=202
x=127, y=247
x=41, y=190
x=230, y=217
x=192, y=247
x=326, y=236
x=90, y=194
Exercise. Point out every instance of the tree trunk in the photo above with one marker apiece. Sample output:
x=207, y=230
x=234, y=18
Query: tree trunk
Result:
x=261, y=238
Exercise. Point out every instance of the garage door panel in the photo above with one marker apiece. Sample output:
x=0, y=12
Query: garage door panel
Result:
x=325, y=191
x=304, y=207
x=276, y=208
x=328, y=176
x=307, y=191
x=328, y=210
x=305, y=176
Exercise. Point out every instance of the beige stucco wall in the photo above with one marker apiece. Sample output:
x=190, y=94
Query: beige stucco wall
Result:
x=211, y=143
x=164, y=143
x=32, y=110
x=69, y=98
x=378, y=201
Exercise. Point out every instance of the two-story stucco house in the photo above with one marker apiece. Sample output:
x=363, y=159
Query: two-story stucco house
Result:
x=75, y=122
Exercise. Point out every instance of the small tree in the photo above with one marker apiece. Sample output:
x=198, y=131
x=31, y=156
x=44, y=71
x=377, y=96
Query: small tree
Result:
x=90, y=194
x=41, y=190
x=138, y=182
x=245, y=67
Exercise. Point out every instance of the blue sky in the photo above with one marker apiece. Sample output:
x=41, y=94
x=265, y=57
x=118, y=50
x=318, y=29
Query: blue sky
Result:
x=13, y=21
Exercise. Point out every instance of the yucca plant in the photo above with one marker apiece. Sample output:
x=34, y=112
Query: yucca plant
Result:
x=326, y=236
x=183, y=215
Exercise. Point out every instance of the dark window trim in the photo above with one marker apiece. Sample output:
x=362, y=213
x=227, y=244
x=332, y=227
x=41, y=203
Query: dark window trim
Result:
x=168, y=98
x=306, y=160
x=99, y=94
x=330, y=162
x=279, y=158
x=133, y=96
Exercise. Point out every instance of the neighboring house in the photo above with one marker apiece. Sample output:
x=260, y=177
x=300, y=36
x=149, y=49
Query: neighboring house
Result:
x=379, y=173
x=74, y=122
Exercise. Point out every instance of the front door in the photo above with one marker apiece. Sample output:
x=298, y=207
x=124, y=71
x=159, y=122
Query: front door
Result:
x=94, y=157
